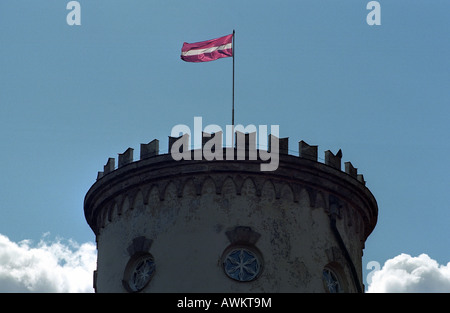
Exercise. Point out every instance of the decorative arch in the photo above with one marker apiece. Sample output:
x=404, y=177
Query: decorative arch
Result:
x=209, y=183
x=321, y=201
x=248, y=186
x=286, y=192
x=171, y=188
x=229, y=185
x=308, y=196
x=153, y=195
x=189, y=187
x=112, y=211
x=125, y=205
x=138, y=200
x=268, y=189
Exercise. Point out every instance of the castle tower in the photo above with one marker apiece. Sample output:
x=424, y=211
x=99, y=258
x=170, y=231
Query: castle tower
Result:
x=226, y=226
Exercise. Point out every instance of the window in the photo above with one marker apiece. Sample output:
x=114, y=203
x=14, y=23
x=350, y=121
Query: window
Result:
x=331, y=281
x=242, y=263
x=139, y=272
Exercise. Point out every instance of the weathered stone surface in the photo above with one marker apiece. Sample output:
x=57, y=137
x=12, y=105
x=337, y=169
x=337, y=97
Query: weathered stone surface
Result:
x=186, y=213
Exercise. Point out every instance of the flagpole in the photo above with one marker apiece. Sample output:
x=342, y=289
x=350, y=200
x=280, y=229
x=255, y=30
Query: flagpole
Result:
x=232, y=108
x=232, y=111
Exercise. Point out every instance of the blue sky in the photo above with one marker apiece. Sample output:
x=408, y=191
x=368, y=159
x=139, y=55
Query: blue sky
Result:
x=73, y=96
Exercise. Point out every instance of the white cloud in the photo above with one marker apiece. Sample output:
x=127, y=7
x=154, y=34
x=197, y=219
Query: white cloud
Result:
x=49, y=266
x=66, y=266
x=408, y=274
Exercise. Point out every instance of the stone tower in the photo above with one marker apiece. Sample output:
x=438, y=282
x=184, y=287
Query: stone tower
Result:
x=226, y=226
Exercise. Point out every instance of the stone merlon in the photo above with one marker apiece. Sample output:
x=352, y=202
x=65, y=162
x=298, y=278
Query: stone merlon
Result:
x=305, y=151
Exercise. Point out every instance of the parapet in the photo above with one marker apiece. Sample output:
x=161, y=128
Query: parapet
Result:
x=296, y=173
x=305, y=151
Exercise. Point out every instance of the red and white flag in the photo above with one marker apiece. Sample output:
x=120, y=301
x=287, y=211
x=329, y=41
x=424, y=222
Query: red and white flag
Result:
x=208, y=50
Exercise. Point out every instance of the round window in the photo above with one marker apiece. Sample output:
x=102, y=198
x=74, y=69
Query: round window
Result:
x=242, y=263
x=139, y=272
x=330, y=281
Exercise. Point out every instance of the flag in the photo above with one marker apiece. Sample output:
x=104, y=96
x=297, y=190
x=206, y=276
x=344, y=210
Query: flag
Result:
x=208, y=50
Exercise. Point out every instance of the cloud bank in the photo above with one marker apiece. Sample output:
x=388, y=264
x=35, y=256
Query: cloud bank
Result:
x=66, y=266
x=408, y=274
x=50, y=266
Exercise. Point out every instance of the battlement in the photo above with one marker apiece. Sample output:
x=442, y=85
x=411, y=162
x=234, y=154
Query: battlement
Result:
x=248, y=148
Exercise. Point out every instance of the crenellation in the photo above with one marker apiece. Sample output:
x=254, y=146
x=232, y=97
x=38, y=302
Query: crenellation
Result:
x=247, y=140
x=349, y=169
x=306, y=151
x=360, y=178
x=149, y=150
x=333, y=160
x=212, y=141
x=110, y=166
x=283, y=144
x=126, y=157
x=185, y=142
x=206, y=137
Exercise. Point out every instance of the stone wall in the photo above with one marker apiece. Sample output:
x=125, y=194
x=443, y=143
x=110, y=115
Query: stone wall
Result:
x=188, y=216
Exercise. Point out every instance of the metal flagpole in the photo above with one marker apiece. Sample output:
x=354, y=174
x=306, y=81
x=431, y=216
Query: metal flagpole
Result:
x=232, y=111
x=232, y=108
